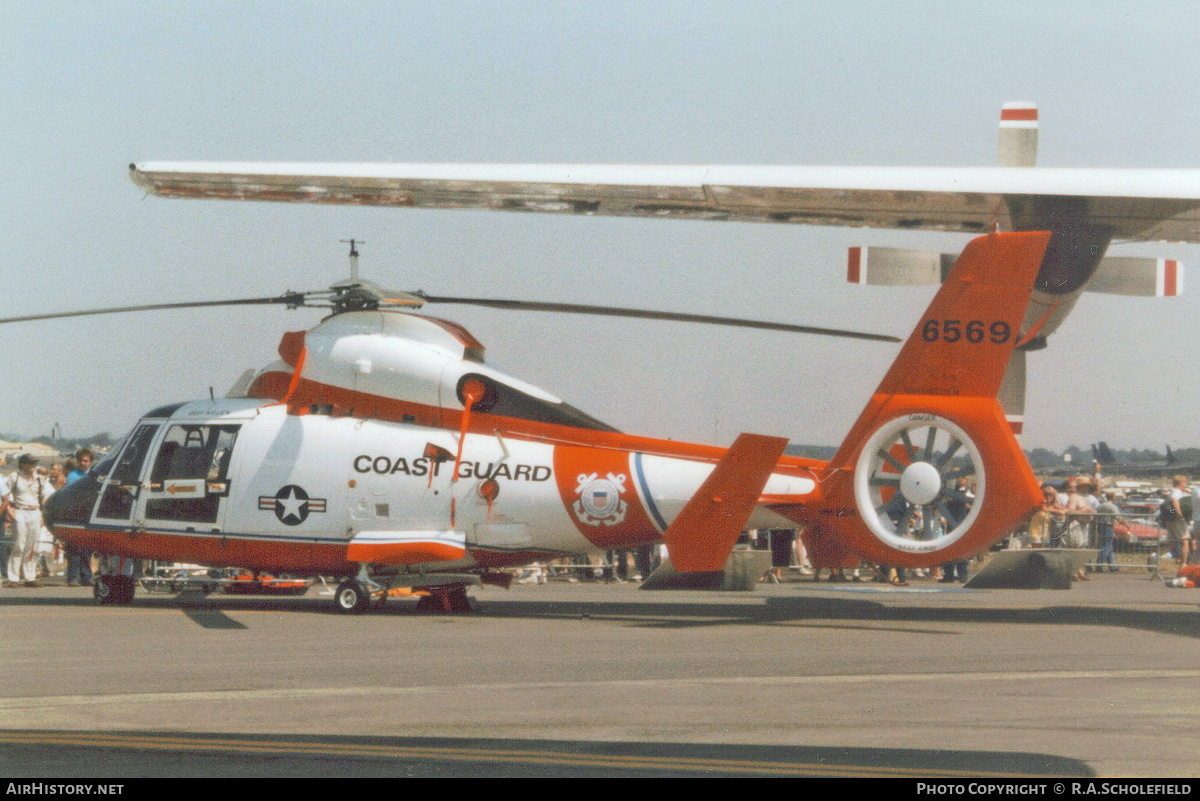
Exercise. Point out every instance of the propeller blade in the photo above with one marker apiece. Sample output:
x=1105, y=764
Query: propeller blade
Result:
x=290, y=299
x=611, y=311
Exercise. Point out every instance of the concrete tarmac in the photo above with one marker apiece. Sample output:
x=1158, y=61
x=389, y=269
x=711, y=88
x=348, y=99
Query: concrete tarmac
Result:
x=592, y=679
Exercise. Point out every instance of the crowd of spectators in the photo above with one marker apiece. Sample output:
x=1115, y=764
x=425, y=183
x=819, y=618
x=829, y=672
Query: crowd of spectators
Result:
x=33, y=552
x=1080, y=514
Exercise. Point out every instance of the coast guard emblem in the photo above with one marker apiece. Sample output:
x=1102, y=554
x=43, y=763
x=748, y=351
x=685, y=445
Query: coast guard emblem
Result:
x=600, y=499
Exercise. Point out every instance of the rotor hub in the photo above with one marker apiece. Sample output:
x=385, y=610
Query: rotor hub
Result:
x=920, y=483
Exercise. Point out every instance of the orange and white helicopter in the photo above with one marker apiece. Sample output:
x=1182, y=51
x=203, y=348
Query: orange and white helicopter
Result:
x=382, y=449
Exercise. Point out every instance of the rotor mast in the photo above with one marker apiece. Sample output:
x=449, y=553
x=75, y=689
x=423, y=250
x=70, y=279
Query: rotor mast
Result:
x=353, y=257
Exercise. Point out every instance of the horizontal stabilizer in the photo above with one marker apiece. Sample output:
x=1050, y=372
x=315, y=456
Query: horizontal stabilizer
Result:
x=1144, y=277
x=702, y=536
x=880, y=266
x=1116, y=275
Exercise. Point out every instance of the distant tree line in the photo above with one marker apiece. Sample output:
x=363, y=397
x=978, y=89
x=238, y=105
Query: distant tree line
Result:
x=1040, y=457
x=66, y=444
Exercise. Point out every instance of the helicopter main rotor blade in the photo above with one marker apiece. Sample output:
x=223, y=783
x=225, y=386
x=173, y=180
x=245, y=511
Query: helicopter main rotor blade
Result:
x=290, y=299
x=612, y=311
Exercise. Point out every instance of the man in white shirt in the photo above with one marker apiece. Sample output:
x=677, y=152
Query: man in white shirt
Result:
x=24, y=492
x=1173, y=520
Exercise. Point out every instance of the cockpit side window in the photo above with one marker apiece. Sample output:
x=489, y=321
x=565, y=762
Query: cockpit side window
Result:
x=185, y=453
x=101, y=468
x=122, y=487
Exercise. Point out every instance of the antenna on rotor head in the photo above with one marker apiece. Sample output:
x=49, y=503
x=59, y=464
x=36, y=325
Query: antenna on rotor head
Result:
x=353, y=257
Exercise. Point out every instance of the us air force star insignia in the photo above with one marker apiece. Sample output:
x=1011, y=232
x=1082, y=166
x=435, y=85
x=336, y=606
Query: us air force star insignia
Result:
x=291, y=504
x=600, y=499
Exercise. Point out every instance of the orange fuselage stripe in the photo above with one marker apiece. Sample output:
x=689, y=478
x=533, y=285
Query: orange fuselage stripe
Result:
x=359, y=404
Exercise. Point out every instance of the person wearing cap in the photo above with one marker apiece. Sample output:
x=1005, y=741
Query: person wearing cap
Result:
x=25, y=492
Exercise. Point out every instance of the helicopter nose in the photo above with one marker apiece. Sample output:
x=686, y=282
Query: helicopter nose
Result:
x=71, y=505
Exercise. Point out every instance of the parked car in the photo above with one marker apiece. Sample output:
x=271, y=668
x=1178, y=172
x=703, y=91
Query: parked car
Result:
x=1140, y=526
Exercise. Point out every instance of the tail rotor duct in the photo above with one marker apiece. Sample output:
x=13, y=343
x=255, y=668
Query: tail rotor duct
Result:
x=919, y=483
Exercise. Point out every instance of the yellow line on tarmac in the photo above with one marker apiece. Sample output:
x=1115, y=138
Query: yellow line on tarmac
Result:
x=470, y=754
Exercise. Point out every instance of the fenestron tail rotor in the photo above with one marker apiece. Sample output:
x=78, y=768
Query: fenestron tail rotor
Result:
x=912, y=479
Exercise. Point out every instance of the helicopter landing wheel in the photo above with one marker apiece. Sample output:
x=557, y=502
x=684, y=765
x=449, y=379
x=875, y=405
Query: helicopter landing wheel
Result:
x=102, y=590
x=113, y=590
x=351, y=598
x=446, y=600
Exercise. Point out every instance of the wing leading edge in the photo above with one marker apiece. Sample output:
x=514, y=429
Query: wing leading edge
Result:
x=1136, y=204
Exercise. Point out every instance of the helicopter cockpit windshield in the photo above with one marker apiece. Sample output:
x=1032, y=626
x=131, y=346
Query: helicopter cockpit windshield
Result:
x=504, y=399
x=104, y=464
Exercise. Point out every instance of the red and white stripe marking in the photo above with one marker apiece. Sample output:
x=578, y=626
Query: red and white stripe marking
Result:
x=1019, y=115
x=1169, y=281
x=1017, y=423
x=854, y=271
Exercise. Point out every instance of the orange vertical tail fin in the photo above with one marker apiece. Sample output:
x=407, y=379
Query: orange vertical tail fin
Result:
x=701, y=537
x=931, y=471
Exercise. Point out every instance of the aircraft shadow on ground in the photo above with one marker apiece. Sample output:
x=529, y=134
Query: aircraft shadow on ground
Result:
x=805, y=610
x=845, y=612
x=78, y=754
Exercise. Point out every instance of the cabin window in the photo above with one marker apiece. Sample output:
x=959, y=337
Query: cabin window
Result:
x=102, y=467
x=191, y=473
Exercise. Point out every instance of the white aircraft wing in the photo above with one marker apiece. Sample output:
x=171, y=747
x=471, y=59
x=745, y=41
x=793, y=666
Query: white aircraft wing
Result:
x=1136, y=204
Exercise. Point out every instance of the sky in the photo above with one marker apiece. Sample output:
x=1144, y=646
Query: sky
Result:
x=92, y=86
